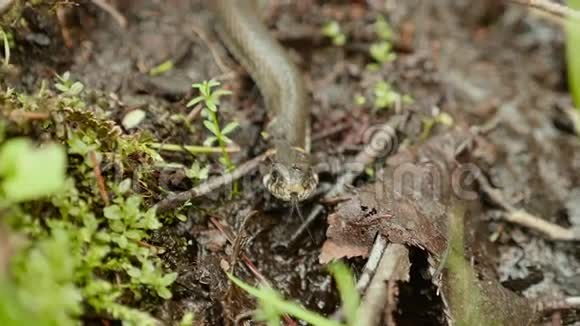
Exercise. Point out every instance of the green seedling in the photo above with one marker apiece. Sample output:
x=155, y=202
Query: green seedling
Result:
x=381, y=50
x=333, y=31
x=68, y=87
x=442, y=118
x=211, y=98
x=196, y=172
x=386, y=97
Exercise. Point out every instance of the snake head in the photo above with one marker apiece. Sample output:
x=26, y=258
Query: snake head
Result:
x=291, y=182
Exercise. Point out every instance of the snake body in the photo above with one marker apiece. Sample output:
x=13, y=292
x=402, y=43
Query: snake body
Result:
x=290, y=176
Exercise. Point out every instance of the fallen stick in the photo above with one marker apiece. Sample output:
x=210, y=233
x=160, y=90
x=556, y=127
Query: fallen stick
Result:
x=394, y=266
x=551, y=7
x=205, y=188
x=524, y=218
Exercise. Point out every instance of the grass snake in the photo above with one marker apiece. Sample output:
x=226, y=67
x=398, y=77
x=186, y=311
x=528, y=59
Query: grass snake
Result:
x=290, y=176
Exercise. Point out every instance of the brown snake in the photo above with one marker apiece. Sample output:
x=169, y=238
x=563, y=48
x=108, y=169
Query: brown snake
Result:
x=290, y=177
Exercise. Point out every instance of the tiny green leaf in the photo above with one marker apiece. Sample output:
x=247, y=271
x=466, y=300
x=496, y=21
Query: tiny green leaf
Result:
x=168, y=279
x=164, y=293
x=112, y=212
x=61, y=87
x=209, y=141
x=195, y=101
x=211, y=127
x=229, y=128
x=76, y=88
x=211, y=105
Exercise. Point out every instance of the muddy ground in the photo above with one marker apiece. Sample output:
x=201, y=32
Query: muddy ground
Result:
x=483, y=63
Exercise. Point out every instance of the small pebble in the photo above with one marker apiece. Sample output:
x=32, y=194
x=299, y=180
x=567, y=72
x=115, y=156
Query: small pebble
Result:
x=133, y=119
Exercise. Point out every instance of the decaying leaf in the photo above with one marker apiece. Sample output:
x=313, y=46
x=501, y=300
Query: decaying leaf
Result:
x=414, y=200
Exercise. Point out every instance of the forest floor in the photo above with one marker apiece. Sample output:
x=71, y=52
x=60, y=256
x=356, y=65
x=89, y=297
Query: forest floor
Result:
x=454, y=65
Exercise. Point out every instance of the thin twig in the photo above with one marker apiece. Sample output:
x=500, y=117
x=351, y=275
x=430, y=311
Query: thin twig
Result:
x=99, y=177
x=121, y=20
x=394, y=265
x=28, y=115
x=523, y=218
x=179, y=198
x=372, y=263
x=369, y=270
x=193, y=149
x=553, y=231
x=550, y=303
x=551, y=7
x=193, y=113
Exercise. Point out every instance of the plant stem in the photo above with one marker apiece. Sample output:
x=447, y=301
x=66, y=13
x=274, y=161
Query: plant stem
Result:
x=193, y=149
x=573, y=54
x=229, y=164
x=221, y=142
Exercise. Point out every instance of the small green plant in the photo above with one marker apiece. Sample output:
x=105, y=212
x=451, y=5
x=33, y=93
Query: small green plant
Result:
x=383, y=29
x=272, y=306
x=45, y=294
x=74, y=252
x=113, y=242
x=47, y=267
x=381, y=50
x=211, y=99
x=386, y=97
x=68, y=87
x=196, y=172
x=333, y=31
x=573, y=54
x=70, y=91
x=441, y=118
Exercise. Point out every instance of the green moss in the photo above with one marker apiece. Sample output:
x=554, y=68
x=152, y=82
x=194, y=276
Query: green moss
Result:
x=76, y=253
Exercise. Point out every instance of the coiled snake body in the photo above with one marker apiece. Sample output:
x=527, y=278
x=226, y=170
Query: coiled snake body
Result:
x=290, y=176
